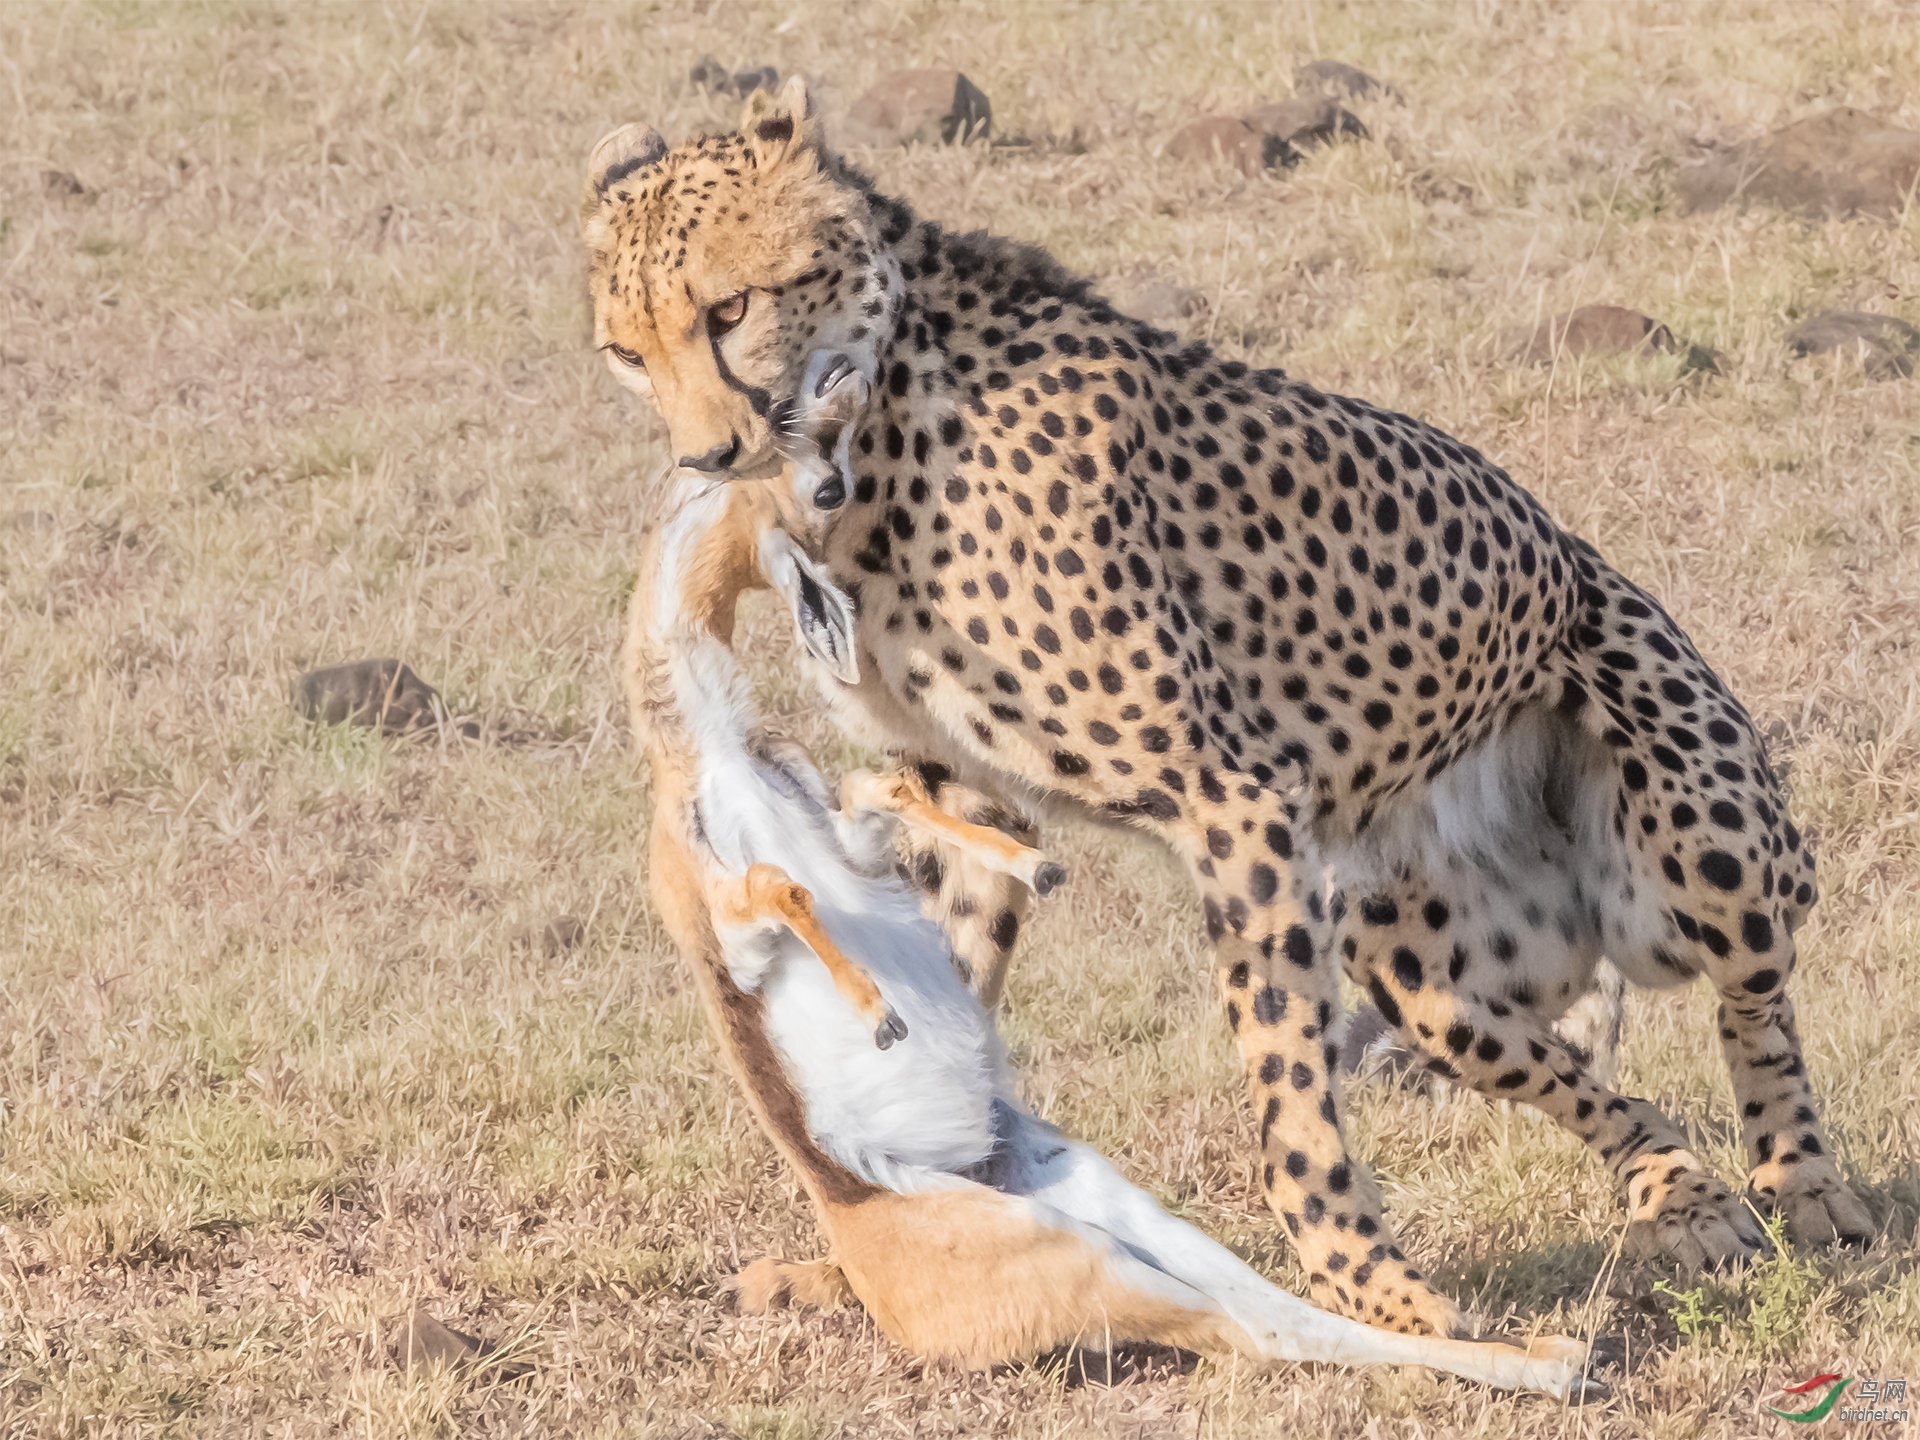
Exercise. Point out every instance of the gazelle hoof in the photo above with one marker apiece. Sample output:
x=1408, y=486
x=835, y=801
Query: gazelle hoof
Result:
x=1049, y=877
x=890, y=1029
x=1586, y=1390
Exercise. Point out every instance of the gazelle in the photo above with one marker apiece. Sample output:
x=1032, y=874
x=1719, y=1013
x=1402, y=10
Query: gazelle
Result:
x=968, y=1228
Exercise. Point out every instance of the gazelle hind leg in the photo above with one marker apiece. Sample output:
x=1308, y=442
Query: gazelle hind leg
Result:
x=906, y=795
x=1267, y=1323
x=767, y=896
x=961, y=864
x=1148, y=1247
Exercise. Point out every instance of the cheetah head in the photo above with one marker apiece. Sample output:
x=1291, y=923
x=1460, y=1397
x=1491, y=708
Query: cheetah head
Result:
x=721, y=265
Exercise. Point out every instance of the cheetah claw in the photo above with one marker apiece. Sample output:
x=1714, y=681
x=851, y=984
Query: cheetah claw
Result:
x=1697, y=1223
x=1814, y=1202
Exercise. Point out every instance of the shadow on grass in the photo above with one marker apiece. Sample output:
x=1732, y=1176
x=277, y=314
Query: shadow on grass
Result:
x=1128, y=1363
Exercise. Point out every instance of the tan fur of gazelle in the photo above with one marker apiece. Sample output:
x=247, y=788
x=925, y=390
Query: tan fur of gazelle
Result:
x=1057, y=1248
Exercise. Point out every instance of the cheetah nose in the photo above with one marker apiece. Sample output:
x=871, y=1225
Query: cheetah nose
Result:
x=718, y=458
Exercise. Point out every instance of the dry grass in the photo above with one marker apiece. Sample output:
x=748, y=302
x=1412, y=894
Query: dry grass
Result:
x=301, y=378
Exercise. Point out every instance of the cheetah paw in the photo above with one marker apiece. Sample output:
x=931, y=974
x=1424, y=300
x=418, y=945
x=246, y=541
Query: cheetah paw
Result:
x=1692, y=1219
x=1818, y=1208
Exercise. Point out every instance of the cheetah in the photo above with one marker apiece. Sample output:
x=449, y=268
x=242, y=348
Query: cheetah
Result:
x=1391, y=717
x=968, y=1228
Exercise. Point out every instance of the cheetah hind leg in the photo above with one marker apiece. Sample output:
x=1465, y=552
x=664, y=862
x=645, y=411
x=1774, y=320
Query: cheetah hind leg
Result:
x=1591, y=1028
x=1793, y=1174
x=1433, y=966
x=1723, y=879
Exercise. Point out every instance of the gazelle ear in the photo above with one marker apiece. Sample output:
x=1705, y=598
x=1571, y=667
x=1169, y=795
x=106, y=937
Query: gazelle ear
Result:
x=632, y=147
x=821, y=611
x=833, y=387
x=784, y=128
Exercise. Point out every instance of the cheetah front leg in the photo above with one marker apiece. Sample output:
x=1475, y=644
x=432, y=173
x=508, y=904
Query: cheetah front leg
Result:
x=1278, y=988
x=1793, y=1174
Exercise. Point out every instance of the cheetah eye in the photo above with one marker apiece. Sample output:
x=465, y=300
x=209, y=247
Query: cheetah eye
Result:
x=727, y=314
x=632, y=359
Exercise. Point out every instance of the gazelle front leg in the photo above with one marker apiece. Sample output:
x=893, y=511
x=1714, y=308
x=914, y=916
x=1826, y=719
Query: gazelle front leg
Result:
x=901, y=794
x=766, y=896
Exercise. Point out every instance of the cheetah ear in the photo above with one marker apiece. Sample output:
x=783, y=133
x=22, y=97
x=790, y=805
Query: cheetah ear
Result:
x=632, y=147
x=783, y=128
x=821, y=609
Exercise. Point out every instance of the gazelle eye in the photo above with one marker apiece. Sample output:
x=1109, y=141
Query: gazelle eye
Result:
x=632, y=359
x=727, y=314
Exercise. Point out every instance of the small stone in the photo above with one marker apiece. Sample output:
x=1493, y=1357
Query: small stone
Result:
x=382, y=693
x=1307, y=122
x=923, y=107
x=1337, y=80
x=1592, y=330
x=1843, y=163
x=1884, y=344
x=1144, y=294
x=745, y=82
x=62, y=183
x=559, y=935
x=1227, y=139
x=426, y=1344
x=710, y=75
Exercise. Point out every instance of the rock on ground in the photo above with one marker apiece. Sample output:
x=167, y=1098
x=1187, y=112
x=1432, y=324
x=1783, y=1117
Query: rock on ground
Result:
x=425, y=1344
x=1602, y=330
x=1843, y=163
x=920, y=106
x=553, y=939
x=1145, y=294
x=1304, y=122
x=1227, y=139
x=1884, y=344
x=1337, y=80
x=711, y=75
x=383, y=693
x=1265, y=136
